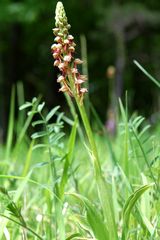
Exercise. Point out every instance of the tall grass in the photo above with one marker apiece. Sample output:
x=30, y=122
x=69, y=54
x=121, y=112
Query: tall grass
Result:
x=73, y=189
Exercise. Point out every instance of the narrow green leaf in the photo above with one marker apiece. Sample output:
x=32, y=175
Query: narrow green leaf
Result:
x=40, y=146
x=147, y=74
x=34, y=100
x=38, y=134
x=132, y=200
x=40, y=107
x=31, y=113
x=39, y=165
x=75, y=235
x=54, y=138
x=65, y=119
x=60, y=117
x=130, y=203
x=68, y=159
x=51, y=113
x=94, y=219
x=38, y=122
x=124, y=113
x=25, y=105
x=144, y=130
x=10, y=124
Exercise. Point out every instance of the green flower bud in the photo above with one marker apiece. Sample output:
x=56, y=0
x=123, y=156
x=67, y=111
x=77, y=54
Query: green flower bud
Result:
x=61, y=18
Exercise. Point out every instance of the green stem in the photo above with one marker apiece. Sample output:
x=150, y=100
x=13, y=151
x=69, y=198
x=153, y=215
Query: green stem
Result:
x=74, y=114
x=96, y=163
x=103, y=188
x=24, y=226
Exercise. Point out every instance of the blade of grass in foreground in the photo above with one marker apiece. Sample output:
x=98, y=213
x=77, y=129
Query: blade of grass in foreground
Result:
x=11, y=124
x=68, y=160
x=130, y=203
x=147, y=74
x=21, y=225
x=74, y=236
x=94, y=218
x=124, y=113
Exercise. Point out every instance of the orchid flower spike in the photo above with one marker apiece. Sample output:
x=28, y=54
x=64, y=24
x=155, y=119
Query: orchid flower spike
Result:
x=63, y=53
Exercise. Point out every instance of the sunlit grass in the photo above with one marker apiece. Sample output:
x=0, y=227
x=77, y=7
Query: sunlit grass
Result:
x=26, y=176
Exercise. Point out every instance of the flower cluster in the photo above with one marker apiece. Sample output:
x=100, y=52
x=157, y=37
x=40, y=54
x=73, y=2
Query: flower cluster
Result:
x=63, y=52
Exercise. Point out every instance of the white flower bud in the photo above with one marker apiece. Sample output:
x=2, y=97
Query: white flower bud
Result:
x=66, y=41
x=62, y=66
x=58, y=39
x=72, y=49
x=56, y=63
x=70, y=37
x=79, y=81
x=83, y=90
x=67, y=58
x=74, y=70
x=54, y=46
x=60, y=79
x=78, y=61
x=55, y=55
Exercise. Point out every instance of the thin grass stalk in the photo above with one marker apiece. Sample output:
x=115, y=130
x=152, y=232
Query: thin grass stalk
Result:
x=21, y=100
x=74, y=114
x=147, y=74
x=11, y=124
x=22, y=225
x=68, y=159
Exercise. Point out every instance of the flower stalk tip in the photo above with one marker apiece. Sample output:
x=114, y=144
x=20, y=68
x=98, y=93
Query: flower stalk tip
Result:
x=63, y=53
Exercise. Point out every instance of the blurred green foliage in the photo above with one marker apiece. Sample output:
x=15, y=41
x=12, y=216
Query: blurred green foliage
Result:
x=116, y=31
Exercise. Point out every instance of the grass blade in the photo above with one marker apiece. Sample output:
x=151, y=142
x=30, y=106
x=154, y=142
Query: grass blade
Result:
x=11, y=124
x=71, y=144
x=130, y=203
x=94, y=219
x=147, y=74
